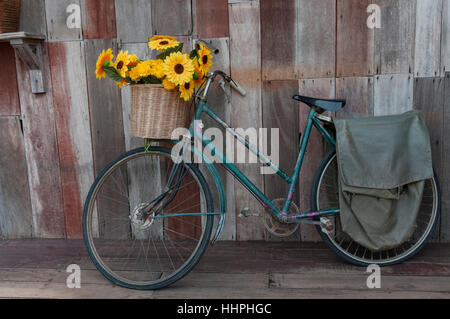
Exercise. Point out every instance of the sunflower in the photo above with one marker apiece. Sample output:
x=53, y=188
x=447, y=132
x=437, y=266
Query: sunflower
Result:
x=157, y=67
x=179, y=68
x=104, y=56
x=204, y=59
x=142, y=70
x=122, y=62
x=162, y=43
x=168, y=85
x=187, y=89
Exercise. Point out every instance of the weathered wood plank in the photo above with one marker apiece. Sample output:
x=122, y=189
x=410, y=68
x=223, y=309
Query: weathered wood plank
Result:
x=56, y=14
x=316, y=44
x=358, y=92
x=42, y=153
x=16, y=219
x=318, y=88
x=32, y=17
x=99, y=19
x=427, y=55
x=108, y=141
x=445, y=49
x=280, y=111
x=445, y=179
x=355, y=41
x=133, y=18
x=172, y=17
x=245, y=55
x=278, y=49
x=73, y=129
x=9, y=96
x=394, y=42
x=393, y=94
x=212, y=18
x=429, y=98
x=219, y=102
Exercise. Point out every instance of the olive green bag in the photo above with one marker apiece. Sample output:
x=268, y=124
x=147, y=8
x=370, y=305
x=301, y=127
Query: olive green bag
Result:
x=382, y=165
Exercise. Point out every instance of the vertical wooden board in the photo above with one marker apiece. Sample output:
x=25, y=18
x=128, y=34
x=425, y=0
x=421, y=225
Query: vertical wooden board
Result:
x=172, y=17
x=219, y=102
x=355, y=41
x=42, y=153
x=445, y=181
x=318, y=88
x=212, y=18
x=280, y=111
x=245, y=57
x=16, y=220
x=108, y=141
x=278, y=39
x=99, y=19
x=73, y=129
x=316, y=44
x=429, y=98
x=393, y=94
x=358, y=92
x=32, y=16
x=133, y=18
x=445, y=49
x=427, y=55
x=394, y=42
x=9, y=96
x=57, y=15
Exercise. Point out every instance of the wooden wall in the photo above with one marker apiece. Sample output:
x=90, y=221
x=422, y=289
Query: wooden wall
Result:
x=53, y=144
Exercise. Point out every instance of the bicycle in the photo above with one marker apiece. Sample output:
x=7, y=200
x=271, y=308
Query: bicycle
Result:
x=148, y=219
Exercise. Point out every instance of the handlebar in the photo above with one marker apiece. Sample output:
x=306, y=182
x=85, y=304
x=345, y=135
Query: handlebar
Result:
x=232, y=82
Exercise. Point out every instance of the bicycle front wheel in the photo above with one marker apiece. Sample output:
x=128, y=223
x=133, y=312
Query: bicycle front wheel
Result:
x=138, y=234
x=325, y=195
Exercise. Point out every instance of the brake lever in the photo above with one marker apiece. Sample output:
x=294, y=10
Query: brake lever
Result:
x=222, y=86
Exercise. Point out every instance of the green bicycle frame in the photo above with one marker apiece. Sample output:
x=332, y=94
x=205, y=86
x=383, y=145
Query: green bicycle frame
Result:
x=254, y=190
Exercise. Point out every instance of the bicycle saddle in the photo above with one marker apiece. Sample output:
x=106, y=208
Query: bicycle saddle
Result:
x=321, y=105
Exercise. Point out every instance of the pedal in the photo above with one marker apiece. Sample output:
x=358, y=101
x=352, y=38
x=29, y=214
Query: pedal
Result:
x=326, y=225
x=246, y=213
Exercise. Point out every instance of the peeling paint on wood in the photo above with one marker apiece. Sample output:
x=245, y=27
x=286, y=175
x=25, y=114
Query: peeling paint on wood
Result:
x=134, y=20
x=212, y=19
x=245, y=56
x=9, y=96
x=393, y=94
x=358, y=92
x=99, y=19
x=73, y=129
x=42, y=154
x=445, y=177
x=16, y=220
x=172, y=17
x=57, y=15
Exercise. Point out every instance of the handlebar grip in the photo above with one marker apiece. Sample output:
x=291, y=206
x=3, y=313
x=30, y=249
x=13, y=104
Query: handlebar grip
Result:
x=238, y=88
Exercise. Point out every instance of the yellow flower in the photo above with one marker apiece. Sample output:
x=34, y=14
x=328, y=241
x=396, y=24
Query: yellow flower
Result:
x=142, y=70
x=168, y=85
x=205, y=59
x=179, y=68
x=122, y=83
x=199, y=81
x=121, y=64
x=162, y=43
x=104, y=56
x=157, y=67
x=187, y=90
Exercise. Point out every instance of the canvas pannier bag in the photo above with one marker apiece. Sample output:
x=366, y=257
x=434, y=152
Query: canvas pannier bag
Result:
x=383, y=163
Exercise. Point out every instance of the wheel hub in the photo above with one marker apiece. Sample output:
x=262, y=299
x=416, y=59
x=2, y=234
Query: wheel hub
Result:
x=138, y=220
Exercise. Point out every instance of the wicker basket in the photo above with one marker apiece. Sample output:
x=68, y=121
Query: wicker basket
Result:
x=156, y=112
x=9, y=15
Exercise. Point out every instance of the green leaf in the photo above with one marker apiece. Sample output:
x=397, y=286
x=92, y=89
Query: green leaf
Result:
x=151, y=80
x=168, y=52
x=193, y=54
x=196, y=76
x=112, y=73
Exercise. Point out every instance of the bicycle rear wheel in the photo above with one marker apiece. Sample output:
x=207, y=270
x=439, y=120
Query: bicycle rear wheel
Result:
x=159, y=249
x=325, y=195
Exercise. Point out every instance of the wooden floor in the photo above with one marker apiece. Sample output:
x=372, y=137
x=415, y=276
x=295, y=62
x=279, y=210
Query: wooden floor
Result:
x=37, y=269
